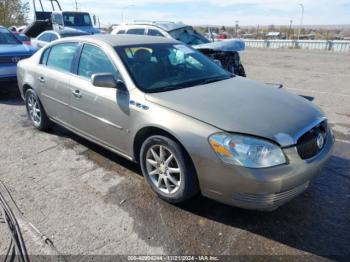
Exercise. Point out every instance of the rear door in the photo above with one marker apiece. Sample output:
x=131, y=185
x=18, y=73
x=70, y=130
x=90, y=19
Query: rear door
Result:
x=98, y=112
x=54, y=76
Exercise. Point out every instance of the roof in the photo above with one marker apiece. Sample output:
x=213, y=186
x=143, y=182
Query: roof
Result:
x=273, y=33
x=124, y=40
x=67, y=31
x=166, y=26
x=75, y=12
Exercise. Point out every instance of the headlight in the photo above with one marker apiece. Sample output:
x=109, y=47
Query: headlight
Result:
x=246, y=151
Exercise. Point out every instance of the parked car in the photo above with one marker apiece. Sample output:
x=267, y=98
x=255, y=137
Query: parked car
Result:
x=226, y=52
x=57, y=20
x=48, y=36
x=11, y=51
x=23, y=38
x=191, y=125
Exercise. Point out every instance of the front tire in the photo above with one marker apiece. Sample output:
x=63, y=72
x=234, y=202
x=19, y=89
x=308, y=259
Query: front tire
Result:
x=36, y=112
x=168, y=169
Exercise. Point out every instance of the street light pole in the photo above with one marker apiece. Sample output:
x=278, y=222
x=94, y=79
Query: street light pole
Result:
x=237, y=27
x=290, y=28
x=301, y=19
x=76, y=5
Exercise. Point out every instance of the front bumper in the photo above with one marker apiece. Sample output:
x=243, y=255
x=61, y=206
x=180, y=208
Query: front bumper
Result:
x=261, y=189
x=8, y=72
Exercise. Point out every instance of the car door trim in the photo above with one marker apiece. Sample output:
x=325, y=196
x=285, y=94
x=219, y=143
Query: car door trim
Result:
x=55, y=100
x=97, y=118
x=92, y=138
x=103, y=120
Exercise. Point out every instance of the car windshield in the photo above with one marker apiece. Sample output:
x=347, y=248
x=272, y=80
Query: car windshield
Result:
x=22, y=37
x=189, y=36
x=164, y=67
x=7, y=38
x=76, y=19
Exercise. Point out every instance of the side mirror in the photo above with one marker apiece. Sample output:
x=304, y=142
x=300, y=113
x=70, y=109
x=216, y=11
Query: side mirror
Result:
x=103, y=80
x=107, y=80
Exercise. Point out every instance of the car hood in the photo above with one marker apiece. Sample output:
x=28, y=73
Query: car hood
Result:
x=244, y=106
x=16, y=50
x=87, y=29
x=231, y=45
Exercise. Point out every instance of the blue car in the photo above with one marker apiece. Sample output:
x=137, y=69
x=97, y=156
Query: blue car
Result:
x=11, y=51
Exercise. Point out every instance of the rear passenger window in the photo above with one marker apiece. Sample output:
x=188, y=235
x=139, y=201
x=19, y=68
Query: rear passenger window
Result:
x=61, y=56
x=154, y=32
x=45, y=56
x=93, y=61
x=53, y=37
x=45, y=37
x=121, y=32
x=136, y=31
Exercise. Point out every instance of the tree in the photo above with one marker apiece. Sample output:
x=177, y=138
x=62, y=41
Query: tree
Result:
x=13, y=12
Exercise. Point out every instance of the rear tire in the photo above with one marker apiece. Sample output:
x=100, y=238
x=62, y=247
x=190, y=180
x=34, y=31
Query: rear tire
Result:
x=36, y=112
x=168, y=169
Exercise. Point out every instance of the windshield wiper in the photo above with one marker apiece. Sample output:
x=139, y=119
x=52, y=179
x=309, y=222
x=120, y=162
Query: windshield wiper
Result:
x=191, y=83
x=215, y=79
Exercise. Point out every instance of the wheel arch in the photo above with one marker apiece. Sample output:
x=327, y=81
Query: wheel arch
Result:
x=149, y=131
x=25, y=88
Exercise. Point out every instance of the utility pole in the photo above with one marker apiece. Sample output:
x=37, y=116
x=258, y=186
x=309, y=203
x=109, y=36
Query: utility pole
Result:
x=76, y=5
x=257, y=32
x=124, y=8
x=290, y=28
x=236, y=27
x=301, y=19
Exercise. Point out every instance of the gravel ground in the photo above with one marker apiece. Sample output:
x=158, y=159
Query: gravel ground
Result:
x=89, y=201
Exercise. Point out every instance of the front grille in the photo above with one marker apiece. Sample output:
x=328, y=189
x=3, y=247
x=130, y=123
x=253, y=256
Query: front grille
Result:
x=11, y=59
x=307, y=145
x=269, y=200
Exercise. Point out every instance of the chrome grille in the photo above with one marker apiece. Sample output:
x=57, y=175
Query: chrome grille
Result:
x=11, y=59
x=307, y=145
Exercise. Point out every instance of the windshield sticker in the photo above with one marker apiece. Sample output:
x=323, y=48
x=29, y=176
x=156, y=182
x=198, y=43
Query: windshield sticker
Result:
x=184, y=49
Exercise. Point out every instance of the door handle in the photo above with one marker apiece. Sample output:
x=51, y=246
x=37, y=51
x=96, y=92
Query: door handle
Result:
x=77, y=94
x=41, y=79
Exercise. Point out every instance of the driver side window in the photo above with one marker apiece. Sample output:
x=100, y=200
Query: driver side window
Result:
x=93, y=61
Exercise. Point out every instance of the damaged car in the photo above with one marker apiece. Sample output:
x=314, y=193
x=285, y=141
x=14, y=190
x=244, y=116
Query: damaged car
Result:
x=225, y=53
x=191, y=125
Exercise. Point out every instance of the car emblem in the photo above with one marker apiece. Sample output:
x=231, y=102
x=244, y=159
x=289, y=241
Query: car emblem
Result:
x=320, y=140
x=15, y=59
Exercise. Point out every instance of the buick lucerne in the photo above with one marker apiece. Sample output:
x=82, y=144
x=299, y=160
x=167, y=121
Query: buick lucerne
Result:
x=192, y=126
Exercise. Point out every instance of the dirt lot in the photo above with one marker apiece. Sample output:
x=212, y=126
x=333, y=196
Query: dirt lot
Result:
x=90, y=201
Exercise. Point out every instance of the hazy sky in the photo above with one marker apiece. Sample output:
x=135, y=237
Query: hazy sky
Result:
x=214, y=12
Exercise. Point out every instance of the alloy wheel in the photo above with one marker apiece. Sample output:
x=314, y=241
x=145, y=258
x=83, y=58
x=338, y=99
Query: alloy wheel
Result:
x=34, y=109
x=163, y=169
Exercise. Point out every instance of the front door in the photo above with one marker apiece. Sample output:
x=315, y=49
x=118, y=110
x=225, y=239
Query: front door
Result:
x=101, y=113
